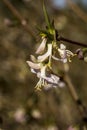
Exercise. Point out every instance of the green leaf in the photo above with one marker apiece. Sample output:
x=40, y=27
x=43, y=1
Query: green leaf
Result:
x=46, y=16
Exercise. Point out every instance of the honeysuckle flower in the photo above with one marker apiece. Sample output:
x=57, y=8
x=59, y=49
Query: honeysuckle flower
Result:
x=82, y=54
x=42, y=46
x=53, y=81
x=65, y=54
x=42, y=69
x=49, y=80
x=46, y=78
x=46, y=55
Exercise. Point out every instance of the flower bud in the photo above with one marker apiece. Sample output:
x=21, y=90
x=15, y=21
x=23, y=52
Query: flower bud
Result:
x=79, y=53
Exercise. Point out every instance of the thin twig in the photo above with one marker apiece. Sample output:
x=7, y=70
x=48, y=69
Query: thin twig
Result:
x=72, y=42
x=60, y=38
x=19, y=17
x=75, y=96
x=66, y=79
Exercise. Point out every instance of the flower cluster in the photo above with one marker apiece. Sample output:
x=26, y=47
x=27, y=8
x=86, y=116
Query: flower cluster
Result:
x=48, y=51
x=42, y=65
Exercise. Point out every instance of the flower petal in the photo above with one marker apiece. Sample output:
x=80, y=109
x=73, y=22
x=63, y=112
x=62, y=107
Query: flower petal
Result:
x=52, y=79
x=42, y=46
x=34, y=65
x=35, y=71
x=62, y=53
x=69, y=53
x=55, y=58
x=46, y=55
x=62, y=47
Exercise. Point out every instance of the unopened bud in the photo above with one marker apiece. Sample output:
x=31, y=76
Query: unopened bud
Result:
x=79, y=53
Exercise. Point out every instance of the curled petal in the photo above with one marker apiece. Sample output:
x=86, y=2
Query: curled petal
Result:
x=62, y=47
x=62, y=53
x=43, y=57
x=46, y=55
x=65, y=54
x=69, y=53
x=55, y=58
x=33, y=65
x=33, y=71
x=52, y=79
x=64, y=60
x=42, y=46
x=55, y=79
x=36, y=71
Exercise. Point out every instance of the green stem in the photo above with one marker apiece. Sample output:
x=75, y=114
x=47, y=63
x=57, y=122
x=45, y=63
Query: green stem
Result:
x=46, y=16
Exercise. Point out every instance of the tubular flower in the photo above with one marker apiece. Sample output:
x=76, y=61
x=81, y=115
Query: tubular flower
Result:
x=65, y=54
x=41, y=66
x=42, y=46
x=46, y=55
x=46, y=78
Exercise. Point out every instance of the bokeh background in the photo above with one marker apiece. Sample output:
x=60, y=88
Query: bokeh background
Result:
x=21, y=107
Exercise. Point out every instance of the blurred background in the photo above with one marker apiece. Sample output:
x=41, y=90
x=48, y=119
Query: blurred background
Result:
x=21, y=108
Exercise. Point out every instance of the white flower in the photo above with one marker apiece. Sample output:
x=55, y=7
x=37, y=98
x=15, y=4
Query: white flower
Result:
x=34, y=65
x=53, y=81
x=48, y=80
x=65, y=54
x=46, y=55
x=42, y=46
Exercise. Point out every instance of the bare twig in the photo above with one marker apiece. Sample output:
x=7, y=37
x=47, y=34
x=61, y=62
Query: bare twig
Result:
x=60, y=38
x=19, y=17
x=75, y=96
x=67, y=79
x=72, y=42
